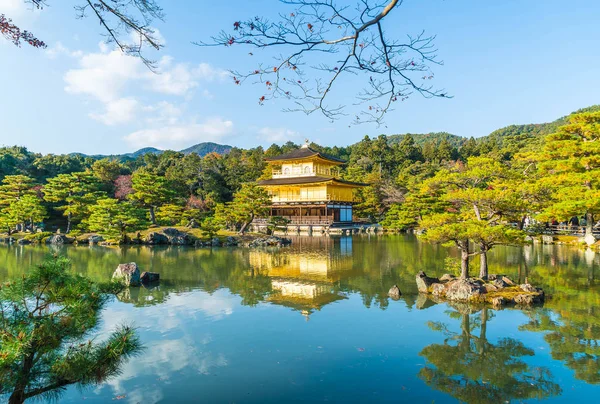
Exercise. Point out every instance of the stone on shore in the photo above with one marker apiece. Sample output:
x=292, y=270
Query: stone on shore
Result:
x=128, y=274
x=95, y=239
x=394, y=292
x=59, y=239
x=155, y=238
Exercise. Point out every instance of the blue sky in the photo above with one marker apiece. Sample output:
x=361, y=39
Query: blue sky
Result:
x=505, y=62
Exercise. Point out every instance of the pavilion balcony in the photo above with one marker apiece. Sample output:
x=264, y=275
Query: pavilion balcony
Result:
x=323, y=172
x=308, y=198
x=299, y=220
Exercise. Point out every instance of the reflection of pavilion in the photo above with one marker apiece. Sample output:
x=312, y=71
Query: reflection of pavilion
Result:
x=306, y=280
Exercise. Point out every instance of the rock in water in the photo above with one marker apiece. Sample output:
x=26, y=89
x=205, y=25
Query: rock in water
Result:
x=149, y=277
x=424, y=282
x=498, y=301
x=438, y=289
x=464, y=290
x=394, y=292
x=527, y=288
x=129, y=274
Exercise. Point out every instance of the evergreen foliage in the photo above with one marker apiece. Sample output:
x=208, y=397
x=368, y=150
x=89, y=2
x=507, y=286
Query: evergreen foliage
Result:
x=46, y=323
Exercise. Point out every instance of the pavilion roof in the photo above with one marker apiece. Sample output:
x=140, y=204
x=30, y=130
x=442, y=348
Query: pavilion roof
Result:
x=303, y=153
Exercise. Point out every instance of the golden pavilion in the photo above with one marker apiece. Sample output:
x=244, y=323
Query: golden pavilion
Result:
x=305, y=187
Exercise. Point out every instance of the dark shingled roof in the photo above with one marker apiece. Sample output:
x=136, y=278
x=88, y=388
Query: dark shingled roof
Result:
x=303, y=152
x=305, y=180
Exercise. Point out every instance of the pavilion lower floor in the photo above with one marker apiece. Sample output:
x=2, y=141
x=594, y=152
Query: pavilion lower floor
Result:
x=326, y=213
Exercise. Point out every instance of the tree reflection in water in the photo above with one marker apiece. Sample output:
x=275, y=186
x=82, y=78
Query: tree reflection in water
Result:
x=473, y=370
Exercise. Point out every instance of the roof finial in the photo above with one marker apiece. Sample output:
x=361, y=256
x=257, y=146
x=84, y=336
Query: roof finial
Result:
x=306, y=143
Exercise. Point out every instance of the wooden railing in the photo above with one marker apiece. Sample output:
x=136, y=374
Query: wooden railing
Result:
x=569, y=230
x=301, y=198
x=308, y=220
x=329, y=172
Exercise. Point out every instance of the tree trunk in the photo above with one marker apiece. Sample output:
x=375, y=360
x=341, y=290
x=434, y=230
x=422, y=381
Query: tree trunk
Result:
x=17, y=397
x=464, y=260
x=246, y=224
x=152, y=215
x=69, y=218
x=589, y=224
x=18, y=394
x=483, y=264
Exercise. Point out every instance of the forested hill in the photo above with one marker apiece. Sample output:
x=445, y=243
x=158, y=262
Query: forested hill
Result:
x=527, y=131
x=423, y=138
x=201, y=149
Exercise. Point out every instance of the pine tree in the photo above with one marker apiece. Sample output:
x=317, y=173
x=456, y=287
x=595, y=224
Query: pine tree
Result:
x=74, y=192
x=150, y=191
x=569, y=163
x=27, y=209
x=115, y=219
x=479, y=193
x=46, y=319
x=249, y=202
x=15, y=186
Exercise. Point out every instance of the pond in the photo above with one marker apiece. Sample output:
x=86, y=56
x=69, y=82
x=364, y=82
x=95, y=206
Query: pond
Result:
x=313, y=322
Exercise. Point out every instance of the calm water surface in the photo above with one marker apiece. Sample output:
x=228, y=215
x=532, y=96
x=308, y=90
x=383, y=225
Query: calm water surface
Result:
x=313, y=322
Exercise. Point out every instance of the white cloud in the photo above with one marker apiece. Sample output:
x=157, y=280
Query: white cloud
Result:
x=163, y=113
x=117, y=112
x=102, y=75
x=176, y=136
x=179, y=79
x=119, y=81
x=277, y=134
x=60, y=49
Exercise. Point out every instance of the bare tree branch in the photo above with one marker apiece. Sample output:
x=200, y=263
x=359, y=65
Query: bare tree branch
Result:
x=119, y=18
x=322, y=44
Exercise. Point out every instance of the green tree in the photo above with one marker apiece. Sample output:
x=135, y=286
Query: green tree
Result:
x=170, y=215
x=150, y=191
x=27, y=209
x=249, y=202
x=569, y=163
x=75, y=193
x=46, y=319
x=15, y=186
x=107, y=171
x=115, y=219
x=479, y=193
x=211, y=226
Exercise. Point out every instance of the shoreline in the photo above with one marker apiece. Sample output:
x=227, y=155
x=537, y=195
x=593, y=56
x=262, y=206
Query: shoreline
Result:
x=159, y=236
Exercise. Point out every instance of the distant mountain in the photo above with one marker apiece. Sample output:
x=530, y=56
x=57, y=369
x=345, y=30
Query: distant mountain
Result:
x=202, y=149
x=141, y=152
